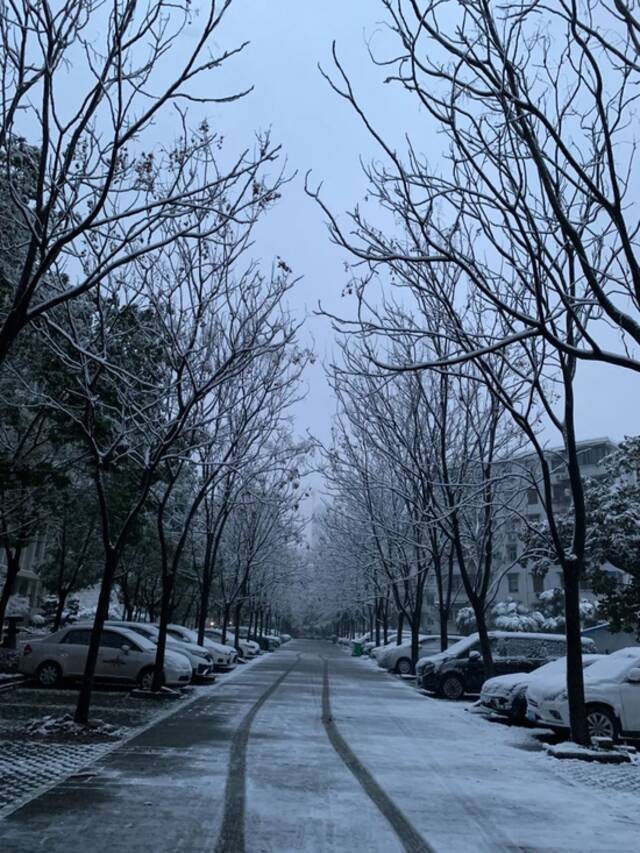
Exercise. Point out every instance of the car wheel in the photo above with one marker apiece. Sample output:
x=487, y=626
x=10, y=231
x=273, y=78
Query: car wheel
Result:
x=404, y=666
x=602, y=723
x=519, y=711
x=49, y=674
x=145, y=679
x=452, y=687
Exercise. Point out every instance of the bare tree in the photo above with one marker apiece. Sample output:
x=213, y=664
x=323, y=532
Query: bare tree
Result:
x=528, y=221
x=101, y=185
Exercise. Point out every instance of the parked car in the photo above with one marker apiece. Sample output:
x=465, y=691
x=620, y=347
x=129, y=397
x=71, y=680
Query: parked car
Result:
x=375, y=651
x=507, y=694
x=611, y=692
x=461, y=669
x=268, y=643
x=224, y=657
x=397, y=658
x=370, y=645
x=124, y=656
x=248, y=648
x=200, y=659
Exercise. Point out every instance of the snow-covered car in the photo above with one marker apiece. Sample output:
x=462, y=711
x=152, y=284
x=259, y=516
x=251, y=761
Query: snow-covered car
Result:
x=123, y=656
x=374, y=651
x=507, y=694
x=285, y=637
x=200, y=658
x=461, y=669
x=397, y=658
x=268, y=643
x=611, y=692
x=370, y=645
x=224, y=657
x=247, y=648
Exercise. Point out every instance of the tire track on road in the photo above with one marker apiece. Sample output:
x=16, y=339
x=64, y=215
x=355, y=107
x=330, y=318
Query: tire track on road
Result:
x=407, y=834
x=231, y=837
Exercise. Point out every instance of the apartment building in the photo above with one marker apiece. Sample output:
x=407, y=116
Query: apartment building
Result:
x=511, y=579
x=28, y=584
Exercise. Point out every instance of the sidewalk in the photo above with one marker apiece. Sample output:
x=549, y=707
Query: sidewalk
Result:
x=166, y=784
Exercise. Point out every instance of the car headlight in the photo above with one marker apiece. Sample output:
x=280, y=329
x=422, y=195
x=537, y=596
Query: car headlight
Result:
x=559, y=696
x=200, y=654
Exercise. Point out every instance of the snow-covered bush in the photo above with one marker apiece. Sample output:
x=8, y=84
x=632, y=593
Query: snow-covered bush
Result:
x=18, y=606
x=466, y=620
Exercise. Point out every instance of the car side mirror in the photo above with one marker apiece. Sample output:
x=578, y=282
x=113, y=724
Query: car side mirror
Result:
x=634, y=675
x=126, y=648
x=475, y=655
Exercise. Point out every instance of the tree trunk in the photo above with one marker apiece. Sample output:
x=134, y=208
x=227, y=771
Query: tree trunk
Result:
x=13, y=567
x=415, y=637
x=165, y=611
x=483, y=633
x=204, y=606
x=102, y=611
x=575, y=680
x=62, y=600
x=443, y=613
x=236, y=622
x=226, y=612
x=400, y=628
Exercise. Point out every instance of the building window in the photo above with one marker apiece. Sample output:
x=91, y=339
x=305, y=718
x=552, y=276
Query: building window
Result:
x=513, y=580
x=512, y=553
x=560, y=493
x=532, y=496
x=538, y=584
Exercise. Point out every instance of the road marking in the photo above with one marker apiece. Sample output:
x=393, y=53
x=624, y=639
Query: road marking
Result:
x=231, y=837
x=407, y=834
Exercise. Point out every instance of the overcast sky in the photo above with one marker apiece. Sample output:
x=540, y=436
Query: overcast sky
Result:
x=319, y=132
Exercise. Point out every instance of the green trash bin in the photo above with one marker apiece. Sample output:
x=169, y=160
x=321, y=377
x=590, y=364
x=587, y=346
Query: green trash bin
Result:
x=357, y=649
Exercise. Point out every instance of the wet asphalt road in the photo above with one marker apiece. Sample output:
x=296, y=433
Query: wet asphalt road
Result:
x=306, y=750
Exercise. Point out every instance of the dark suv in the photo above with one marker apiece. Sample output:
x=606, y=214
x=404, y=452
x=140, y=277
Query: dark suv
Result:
x=461, y=670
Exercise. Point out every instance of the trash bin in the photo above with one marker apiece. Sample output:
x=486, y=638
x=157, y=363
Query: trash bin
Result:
x=357, y=649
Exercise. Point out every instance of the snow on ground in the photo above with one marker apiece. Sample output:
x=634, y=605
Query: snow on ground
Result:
x=460, y=782
x=471, y=785
x=40, y=745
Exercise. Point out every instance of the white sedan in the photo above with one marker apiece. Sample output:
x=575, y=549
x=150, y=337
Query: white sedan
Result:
x=397, y=658
x=248, y=648
x=611, y=692
x=224, y=657
x=200, y=658
x=507, y=694
x=123, y=656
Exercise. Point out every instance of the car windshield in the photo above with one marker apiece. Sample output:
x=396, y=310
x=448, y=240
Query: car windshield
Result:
x=611, y=668
x=460, y=646
x=144, y=631
x=141, y=641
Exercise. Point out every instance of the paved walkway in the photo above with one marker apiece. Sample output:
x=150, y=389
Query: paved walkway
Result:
x=310, y=750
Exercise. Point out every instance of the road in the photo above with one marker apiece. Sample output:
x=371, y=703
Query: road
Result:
x=309, y=750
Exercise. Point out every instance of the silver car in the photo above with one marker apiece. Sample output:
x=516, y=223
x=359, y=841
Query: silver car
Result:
x=224, y=657
x=200, y=659
x=398, y=658
x=123, y=656
x=248, y=648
